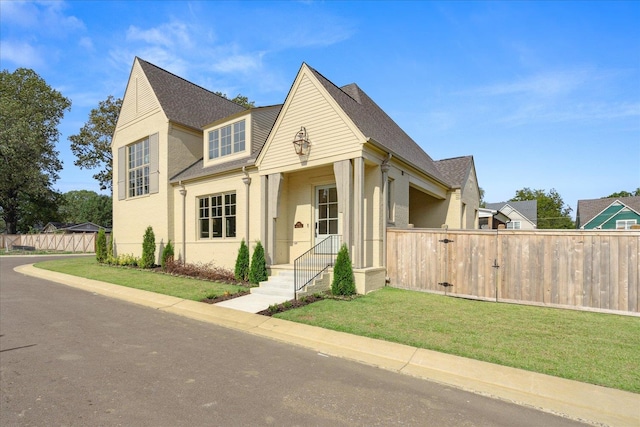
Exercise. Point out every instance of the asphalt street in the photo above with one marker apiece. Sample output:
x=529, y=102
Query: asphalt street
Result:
x=74, y=358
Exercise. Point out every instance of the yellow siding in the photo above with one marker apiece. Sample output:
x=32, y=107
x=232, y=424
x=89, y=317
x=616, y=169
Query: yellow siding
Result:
x=333, y=137
x=139, y=99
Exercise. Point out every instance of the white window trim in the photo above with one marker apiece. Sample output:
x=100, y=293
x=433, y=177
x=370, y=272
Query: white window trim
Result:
x=144, y=167
x=625, y=224
x=234, y=154
x=517, y=225
x=223, y=217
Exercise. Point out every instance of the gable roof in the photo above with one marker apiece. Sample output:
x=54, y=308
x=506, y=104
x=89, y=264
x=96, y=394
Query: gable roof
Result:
x=185, y=102
x=526, y=208
x=455, y=170
x=590, y=208
x=375, y=124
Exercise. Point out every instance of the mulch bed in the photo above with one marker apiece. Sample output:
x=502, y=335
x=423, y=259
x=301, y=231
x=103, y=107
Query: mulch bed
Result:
x=224, y=297
x=289, y=305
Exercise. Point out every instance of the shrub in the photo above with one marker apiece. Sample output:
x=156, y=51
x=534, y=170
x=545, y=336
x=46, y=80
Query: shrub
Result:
x=343, y=280
x=200, y=271
x=167, y=255
x=258, y=269
x=148, y=249
x=126, y=260
x=242, y=263
x=101, y=246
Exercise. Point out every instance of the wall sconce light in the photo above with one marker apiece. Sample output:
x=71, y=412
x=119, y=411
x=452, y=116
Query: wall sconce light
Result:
x=301, y=142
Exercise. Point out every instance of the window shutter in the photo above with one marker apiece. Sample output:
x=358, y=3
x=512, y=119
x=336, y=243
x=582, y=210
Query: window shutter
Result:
x=122, y=173
x=154, y=162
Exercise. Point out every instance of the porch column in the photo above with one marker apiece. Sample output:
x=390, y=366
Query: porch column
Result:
x=384, y=201
x=264, y=213
x=247, y=183
x=358, y=212
x=344, y=178
x=275, y=180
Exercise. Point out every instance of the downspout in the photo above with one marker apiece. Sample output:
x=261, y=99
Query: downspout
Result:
x=183, y=193
x=384, y=167
x=247, y=182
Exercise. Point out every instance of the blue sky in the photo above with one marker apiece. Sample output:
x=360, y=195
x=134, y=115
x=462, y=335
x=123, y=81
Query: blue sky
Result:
x=542, y=94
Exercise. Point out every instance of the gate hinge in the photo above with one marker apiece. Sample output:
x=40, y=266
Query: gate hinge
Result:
x=445, y=284
x=445, y=241
x=495, y=264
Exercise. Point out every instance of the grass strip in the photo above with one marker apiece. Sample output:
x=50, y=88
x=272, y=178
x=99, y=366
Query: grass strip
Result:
x=595, y=348
x=181, y=287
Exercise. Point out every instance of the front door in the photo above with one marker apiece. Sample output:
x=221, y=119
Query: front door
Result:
x=326, y=212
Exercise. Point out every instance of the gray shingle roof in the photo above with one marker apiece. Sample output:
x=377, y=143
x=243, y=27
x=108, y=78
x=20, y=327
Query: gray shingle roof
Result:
x=590, y=208
x=184, y=102
x=374, y=123
x=528, y=208
x=455, y=170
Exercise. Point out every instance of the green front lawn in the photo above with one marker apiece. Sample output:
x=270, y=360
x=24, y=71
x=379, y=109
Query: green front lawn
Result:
x=180, y=287
x=590, y=347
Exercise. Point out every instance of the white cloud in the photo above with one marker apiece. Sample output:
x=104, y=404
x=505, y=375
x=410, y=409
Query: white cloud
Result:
x=175, y=34
x=22, y=54
x=86, y=43
x=243, y=63
x=42, y=17
x=540, y=85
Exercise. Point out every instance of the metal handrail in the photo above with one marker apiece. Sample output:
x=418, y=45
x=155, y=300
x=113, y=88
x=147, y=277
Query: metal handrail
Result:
x=316, y=260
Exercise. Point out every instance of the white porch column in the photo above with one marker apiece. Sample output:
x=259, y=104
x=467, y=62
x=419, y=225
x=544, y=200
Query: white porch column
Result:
x=358, y=212
x=344, y=183
x=247, y=183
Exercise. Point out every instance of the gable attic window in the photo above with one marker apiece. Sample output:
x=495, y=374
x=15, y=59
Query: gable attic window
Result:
x=227, y=140
x=625, y=224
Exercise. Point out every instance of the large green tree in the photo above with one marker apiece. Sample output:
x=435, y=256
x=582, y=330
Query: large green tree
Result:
x=92, y=146
x=30, y=112
x=86, y=206
x=552, y=211
x=624, y=194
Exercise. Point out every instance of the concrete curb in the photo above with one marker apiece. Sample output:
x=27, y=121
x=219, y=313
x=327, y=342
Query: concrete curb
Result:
x=579, y=401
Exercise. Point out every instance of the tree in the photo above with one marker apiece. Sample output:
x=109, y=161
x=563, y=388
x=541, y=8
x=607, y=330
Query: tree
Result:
x=343, y=281
x=483, y=203
x=101, y=246
x=239, y=99
x=167, y=256
x=624, y=194
x=241, y=271
x=148, y=249
x=86, y=206
x=30, y=112
x=258, y=269
x=552, y=211
x=92, y=146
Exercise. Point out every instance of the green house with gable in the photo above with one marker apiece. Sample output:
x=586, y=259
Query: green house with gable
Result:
x=621, y=213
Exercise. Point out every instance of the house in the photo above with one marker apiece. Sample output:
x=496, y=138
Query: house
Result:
x=206, y=173
x=520, y=215
x=616, y=213
x=60, y=227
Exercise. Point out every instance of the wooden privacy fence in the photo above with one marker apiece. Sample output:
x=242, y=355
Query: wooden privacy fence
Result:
x=594, y=270
x=72, y=242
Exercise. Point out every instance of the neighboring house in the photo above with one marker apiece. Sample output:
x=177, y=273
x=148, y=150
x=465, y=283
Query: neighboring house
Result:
x=616, y=213
x=521, y=215
x=60, y=227
x=491, y=219
x=206, y=173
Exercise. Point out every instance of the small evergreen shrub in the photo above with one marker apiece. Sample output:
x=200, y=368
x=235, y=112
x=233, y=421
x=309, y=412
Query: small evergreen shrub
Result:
x=258, y=269
x=167, y=255
x=101, y=246
x=242, y=263
x=343, y=280
x=148, y=249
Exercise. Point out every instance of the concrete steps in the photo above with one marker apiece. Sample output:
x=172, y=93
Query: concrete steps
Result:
x=278, y=285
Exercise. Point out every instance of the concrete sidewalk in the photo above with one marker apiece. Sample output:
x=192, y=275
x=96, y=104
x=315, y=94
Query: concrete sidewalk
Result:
x=580, y=401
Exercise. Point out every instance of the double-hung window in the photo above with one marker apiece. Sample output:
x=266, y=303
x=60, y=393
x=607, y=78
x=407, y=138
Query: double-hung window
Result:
x=227, y=140
x=217, y=216
x=138, y=159
x=513, y=225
